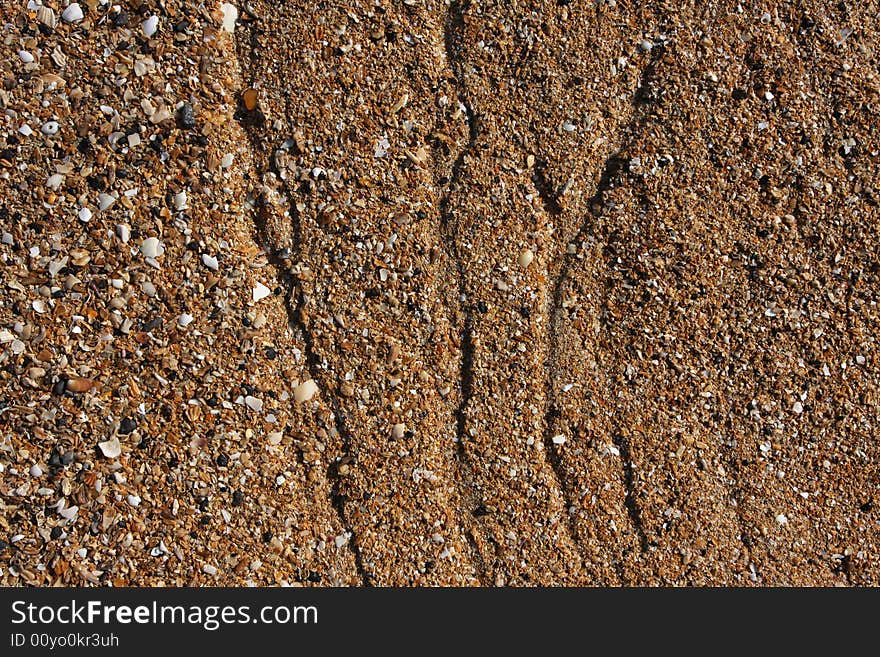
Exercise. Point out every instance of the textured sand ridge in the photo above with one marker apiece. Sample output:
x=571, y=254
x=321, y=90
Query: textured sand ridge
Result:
x=470, y=293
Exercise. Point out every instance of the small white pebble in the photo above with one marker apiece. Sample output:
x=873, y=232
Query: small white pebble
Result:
x=798, y=408
x=25, y=56
x=134, y=139
x=36, y=471
x=123, y=232
x=180, y=201
x=781, y=519
x=646, y=45
x=84, y=215
x=25, y=130
x=49, y=128
x=54, y=181
x=254, y=403
x=558, y=439
x=525, y=258
x=397, y=431
x=210, y=262
x=72, y=13
x=185, y=320
x=227, y=160
x=150, y=26
x=133, y=500
x=305, y=391
x=208, y=569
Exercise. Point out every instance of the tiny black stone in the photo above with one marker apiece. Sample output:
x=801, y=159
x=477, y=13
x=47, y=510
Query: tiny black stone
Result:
x=59, y=387
x=55, y=460
x=267, y=536
x=68, y=457
x=314, y=577
x=481, y=511
x=271, y=354
x=186, y=117
x=3, y=545
x=127, y=425
x=56, y=533
x=482, y=307
x=237, y=498
x=223, y=460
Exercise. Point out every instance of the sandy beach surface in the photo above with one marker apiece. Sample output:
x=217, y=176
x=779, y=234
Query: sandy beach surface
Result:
x=568, y=293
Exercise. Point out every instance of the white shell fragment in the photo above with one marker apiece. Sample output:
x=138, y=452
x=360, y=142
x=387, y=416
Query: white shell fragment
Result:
x=261, y=292
x=110, y=448
x=152, y=248
x=72, y=13
x=105, y=201
x=230, y=15
x=69, y=513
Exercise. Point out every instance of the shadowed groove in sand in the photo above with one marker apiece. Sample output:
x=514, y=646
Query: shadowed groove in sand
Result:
x=610, y=172
x=294, y=302
x=452, y=30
